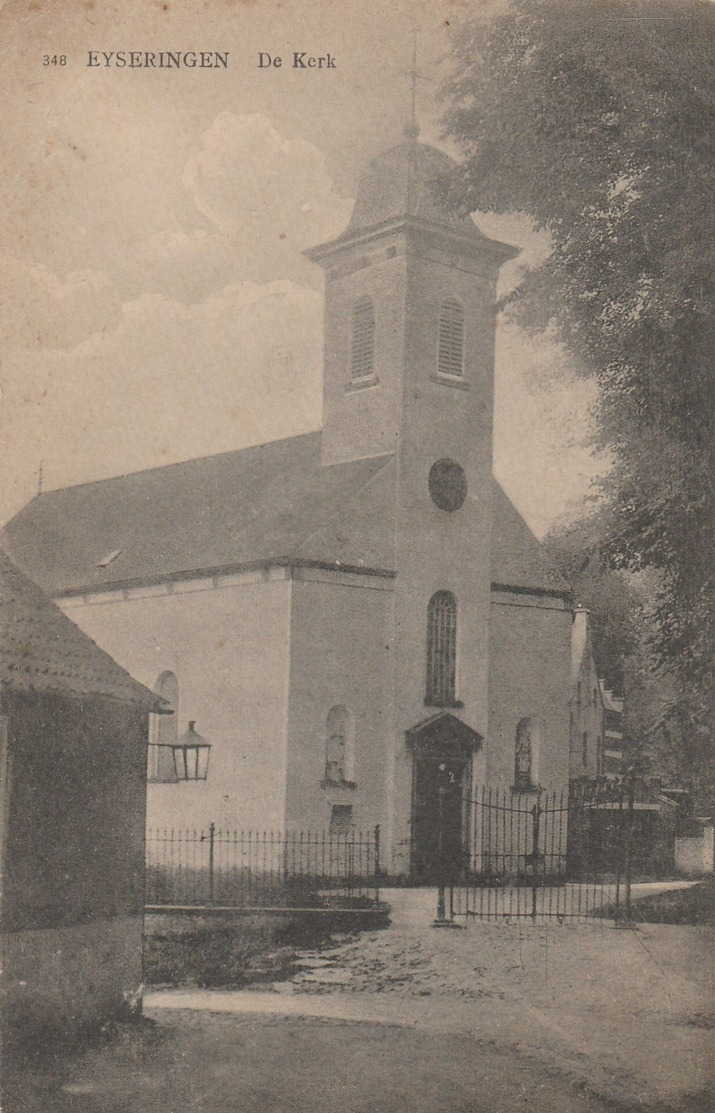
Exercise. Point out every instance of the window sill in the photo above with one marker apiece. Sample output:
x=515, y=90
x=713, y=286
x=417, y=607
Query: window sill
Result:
x=361, y=384
x=327, y=782
x=446, y=380
x=443, y=703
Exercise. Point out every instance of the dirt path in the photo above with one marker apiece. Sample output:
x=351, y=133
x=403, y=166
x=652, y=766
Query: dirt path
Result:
x=199, y=1062
x=498, y=1018
x=628, y=1014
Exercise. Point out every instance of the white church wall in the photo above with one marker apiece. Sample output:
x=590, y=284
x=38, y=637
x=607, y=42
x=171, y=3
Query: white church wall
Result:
x=229, y=648
x=340, y=658
x=529, y=679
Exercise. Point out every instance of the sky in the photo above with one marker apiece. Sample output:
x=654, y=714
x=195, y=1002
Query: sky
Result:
x=155, y=302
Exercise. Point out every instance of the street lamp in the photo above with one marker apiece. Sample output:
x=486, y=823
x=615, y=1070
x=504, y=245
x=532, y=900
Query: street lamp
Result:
x=191, y=756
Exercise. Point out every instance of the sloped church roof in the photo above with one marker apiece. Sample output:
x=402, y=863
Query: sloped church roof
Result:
x=270, y=504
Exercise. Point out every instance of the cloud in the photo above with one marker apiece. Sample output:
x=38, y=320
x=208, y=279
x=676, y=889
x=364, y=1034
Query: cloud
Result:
x=270, y=197
x=38, y=309
x=169, y=383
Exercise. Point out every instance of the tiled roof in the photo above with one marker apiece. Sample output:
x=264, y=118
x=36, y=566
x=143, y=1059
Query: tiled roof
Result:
x=260, y=505
x=270, y=504
x=42, y=650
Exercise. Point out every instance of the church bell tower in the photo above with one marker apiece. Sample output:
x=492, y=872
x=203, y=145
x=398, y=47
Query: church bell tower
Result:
x=409, y=372
x=409, y=313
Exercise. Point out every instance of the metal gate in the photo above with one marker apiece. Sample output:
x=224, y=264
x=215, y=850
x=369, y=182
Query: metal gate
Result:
x=566, y=854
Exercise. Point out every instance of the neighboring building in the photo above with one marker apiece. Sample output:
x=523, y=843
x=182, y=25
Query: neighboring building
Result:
x=586, y=710
x=73, y=737
x=354, y=617
x=614, y=763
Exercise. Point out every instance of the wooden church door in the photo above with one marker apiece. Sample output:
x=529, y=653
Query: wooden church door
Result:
x=437, y=817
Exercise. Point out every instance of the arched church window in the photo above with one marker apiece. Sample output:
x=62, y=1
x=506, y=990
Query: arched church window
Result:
x=339, y=746
x=524, y=755
x=164, y=732
x=441, y=650
x=450, y=342
x=363, y=339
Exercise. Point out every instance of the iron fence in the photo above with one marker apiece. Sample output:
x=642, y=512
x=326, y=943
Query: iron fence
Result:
x=568, y=854
x=259, y=869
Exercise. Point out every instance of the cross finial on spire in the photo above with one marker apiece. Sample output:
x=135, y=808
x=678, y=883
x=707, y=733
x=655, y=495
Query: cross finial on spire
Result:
x=412, y=128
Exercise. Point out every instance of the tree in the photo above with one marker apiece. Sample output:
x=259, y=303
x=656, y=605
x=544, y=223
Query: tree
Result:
x=658, y=741
x=596, y=120
x=615, y=603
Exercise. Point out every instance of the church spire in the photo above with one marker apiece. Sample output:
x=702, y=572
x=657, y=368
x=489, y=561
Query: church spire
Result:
x=411, y=130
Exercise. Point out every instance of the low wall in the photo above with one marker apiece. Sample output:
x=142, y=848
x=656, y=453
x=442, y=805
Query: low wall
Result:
x=67, y=979
x=694, y=857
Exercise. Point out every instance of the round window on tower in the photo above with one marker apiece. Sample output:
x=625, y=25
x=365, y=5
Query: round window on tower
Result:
x=447, y=485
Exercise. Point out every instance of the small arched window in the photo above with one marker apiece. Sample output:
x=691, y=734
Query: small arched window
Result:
x=362, y=351
x=339, y=746
x=450, y=342
x=164, y=732
x=524, y=755
x=441, y=650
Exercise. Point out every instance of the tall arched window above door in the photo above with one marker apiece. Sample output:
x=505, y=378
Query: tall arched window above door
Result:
x=441, y=687
x=362, y=341
x=450, y=339
x=164, y=732
x=339, y=746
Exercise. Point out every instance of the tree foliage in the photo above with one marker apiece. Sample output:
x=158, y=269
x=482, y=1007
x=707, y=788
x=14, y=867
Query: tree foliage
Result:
x=615, y=603
x=596, y=119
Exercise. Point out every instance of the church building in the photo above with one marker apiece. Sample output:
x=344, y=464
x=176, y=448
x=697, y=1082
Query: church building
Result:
x=355, y=617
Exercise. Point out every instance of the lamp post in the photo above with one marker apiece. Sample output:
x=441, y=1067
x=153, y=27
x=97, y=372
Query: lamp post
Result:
x=446, y=777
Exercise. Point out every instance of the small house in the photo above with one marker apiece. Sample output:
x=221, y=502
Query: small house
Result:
x=73, y=753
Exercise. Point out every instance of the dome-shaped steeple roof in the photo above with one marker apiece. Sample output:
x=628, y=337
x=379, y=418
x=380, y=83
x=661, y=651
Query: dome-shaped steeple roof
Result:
x=405, y=181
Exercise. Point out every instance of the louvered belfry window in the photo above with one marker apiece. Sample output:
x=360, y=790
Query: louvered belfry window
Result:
x=441, y=649
x=450, y=348
x=363, y=340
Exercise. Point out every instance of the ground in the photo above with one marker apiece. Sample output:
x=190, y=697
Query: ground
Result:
x=497, y=1017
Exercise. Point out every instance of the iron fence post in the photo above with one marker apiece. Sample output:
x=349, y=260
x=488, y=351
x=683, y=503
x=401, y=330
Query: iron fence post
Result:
x=629, y=848
x=212, y=836
x=536, y=822
x=440, y=855
x=377, y=862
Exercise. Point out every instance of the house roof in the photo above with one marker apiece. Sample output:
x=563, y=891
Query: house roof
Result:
x=270, y=504
x=43, y=650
